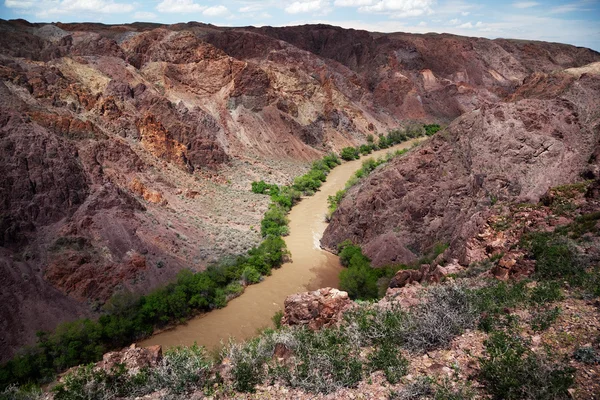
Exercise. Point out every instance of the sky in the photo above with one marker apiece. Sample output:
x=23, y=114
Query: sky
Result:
x=573, y=22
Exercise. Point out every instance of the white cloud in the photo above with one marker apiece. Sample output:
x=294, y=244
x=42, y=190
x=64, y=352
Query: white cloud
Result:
x=525, y=4
x=465, y=13
x=216, y=11
x=454, y=21
x=144, y=16
x=252, y=8
x=565, y=8
x=51, y=8
x=179, y=6
x=18, y=4
x=353, y=3
x=466, y=25
x=400, y=8
x=306, y=6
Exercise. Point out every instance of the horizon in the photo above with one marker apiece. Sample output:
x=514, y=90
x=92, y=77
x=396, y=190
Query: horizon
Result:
x=570, y=22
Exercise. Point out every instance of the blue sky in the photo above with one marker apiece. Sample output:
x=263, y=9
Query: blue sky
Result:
x=573, y=22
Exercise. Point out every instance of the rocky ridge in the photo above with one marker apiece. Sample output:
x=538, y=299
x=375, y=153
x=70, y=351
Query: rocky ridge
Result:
x=547, y=134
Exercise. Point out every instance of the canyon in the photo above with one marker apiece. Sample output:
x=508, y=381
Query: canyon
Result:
x=127, y=151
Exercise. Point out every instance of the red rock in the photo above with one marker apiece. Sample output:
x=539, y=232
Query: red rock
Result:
x=323, y=307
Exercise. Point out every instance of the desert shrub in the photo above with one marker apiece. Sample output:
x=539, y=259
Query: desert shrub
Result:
x=323, y=361
x=350, y=153
x=511, y=370
x=556, y=258
x=370, y=325
x=546, y=292
x=383, y=142
x=446, y=312
x=587, y=355
x=248, y=361
x=427, y=388
x=390, y=360
x=181, y=370
x=542, y=319
x=13, y=392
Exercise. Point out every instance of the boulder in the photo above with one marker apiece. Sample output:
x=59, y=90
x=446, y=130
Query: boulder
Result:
x=323, y=307
x=134, y=358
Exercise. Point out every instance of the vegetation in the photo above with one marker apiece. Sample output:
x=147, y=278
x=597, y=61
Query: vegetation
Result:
x=511, y=370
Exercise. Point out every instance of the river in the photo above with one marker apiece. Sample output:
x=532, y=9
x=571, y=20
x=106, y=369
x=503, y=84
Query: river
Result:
x=311, y=268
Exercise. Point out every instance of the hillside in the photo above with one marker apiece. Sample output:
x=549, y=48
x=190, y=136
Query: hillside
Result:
x=128, y=151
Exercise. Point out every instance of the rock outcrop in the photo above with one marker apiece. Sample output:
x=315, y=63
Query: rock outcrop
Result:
x=133, y=358
x=321, y=308
x=443, y=191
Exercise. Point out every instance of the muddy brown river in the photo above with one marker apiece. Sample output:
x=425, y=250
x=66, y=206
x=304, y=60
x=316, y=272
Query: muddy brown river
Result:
x=311, y=268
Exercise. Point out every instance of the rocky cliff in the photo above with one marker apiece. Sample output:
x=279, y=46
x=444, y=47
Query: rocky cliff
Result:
x=127, y=151
x=547, y=133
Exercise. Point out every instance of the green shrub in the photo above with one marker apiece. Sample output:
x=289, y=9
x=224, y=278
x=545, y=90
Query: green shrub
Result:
x=276, y=318
x=349, y=154
x=365, y=149
x=544, y=318
x=432, y=129
x=334, y=201
x=274, y=221
x=360, y=281
x=250, y=275
x=390, y=360
x=511, y=370
x=546, y=292
x=261, y=187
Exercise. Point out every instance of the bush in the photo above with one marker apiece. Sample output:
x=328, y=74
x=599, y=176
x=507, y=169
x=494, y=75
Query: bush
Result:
x=587, y=355
x=447, y=311
x=276, y=318
x=360, y=282
x=350, y=153
x=182, y=369
x=334, y=201
x=427, y=388
x=261, y=187
x=432, y=129
x=365, y=149
x=324, y=361
x=248, y=362
x=511, y=370
x=556, y=258
x=388, y=359
x=274, y=221
x=250, y=275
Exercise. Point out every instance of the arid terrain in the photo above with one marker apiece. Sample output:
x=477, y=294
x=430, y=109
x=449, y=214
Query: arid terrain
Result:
x=127, y=151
